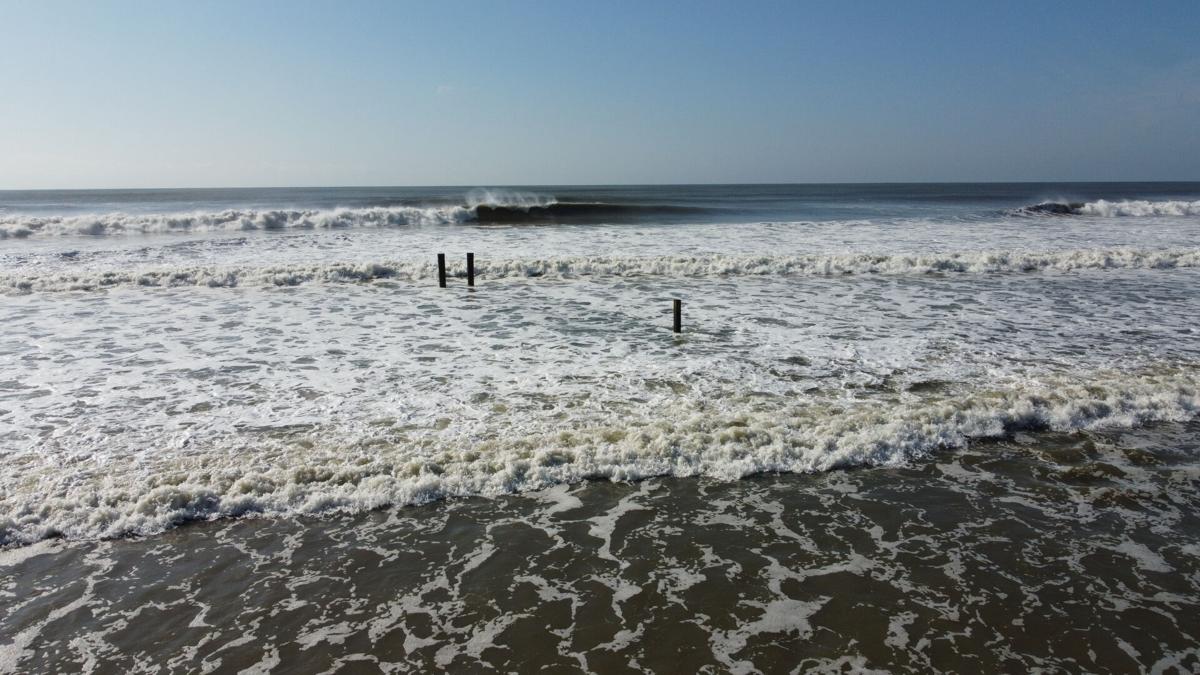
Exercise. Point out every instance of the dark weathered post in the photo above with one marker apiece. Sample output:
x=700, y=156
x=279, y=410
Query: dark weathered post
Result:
x=442, y=270
x=470, y=269
x=678, y=327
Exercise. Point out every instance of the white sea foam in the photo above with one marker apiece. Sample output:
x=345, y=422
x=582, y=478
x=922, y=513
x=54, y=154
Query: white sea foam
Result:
x=21, y=226
x=128, y=412
x=18, y=225
x=323, y=473
x=566, y=267
x=1140, y=207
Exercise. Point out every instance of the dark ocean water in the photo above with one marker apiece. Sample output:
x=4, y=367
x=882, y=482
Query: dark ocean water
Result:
x=905, y=428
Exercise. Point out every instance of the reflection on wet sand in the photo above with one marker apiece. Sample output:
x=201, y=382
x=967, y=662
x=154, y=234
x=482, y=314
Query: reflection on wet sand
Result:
x=1048, y=551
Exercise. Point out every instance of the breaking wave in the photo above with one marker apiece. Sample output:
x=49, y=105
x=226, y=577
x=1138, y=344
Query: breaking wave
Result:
x=1115, y=209
x=480, y=207
x=975, y=262
x=333, y=471
x=228, y=220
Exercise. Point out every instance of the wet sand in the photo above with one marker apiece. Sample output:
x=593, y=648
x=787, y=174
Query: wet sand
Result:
x=1075, y=552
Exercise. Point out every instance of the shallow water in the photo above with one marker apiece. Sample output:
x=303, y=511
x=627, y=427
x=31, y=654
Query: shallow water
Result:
x=138, y=409
x=1050, y=551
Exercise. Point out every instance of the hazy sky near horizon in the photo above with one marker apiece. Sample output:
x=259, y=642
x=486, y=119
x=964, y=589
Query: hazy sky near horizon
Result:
x=174, y=94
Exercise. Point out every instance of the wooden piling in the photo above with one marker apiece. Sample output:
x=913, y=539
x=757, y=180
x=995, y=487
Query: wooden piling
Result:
x=470, y=269
x=442, y=270
x=678, y=307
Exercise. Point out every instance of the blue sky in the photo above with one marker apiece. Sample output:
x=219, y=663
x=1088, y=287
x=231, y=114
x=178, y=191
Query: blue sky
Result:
x=173, y=94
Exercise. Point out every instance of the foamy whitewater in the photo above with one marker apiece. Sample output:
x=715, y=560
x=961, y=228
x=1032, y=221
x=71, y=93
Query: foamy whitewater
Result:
x=161, y=366
x=930, y=427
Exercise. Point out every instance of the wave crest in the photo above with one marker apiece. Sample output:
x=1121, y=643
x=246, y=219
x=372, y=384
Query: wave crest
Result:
x=229, y=220
x=1141, y=208
x=1114, y=209
x=484, y=207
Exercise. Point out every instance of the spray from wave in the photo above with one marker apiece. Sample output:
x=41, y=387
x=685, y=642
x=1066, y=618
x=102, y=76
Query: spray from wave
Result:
x=507, y=199
x=715, y=265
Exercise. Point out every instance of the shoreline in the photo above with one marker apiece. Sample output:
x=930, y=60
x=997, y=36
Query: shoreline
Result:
x=880, y=565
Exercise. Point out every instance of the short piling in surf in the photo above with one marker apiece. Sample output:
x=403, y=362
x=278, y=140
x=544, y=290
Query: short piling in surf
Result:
x=677, y=306
x=470, y=269
x=442, y=270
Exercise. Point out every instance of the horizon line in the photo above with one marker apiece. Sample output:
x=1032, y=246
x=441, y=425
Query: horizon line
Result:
x=590, y=185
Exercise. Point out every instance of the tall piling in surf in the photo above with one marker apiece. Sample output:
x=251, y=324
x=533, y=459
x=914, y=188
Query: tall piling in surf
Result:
x=677, y=307
x=442, y=270
x=470, y=269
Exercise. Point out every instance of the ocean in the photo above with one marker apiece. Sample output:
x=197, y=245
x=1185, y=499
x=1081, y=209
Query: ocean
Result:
x=928, y=427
